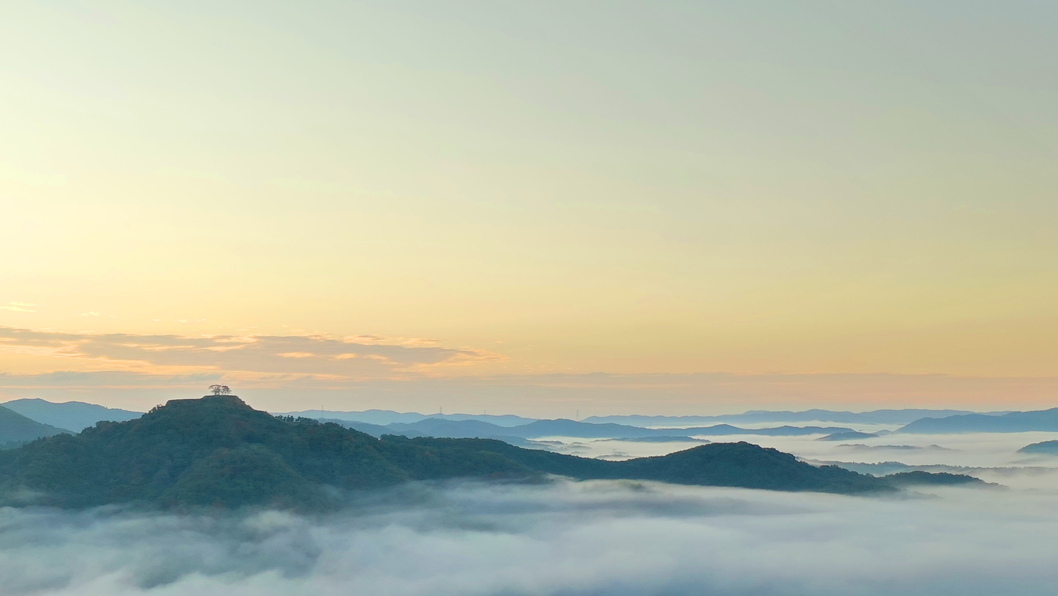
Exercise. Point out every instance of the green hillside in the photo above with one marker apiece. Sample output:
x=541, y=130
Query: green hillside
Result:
x=217, y=451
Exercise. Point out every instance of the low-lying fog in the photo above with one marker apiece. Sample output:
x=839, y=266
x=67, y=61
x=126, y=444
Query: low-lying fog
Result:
x=970, y=450
x=586, y=538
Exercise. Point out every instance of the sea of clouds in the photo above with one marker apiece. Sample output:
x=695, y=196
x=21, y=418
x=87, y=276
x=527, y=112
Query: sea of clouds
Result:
x=562, y=538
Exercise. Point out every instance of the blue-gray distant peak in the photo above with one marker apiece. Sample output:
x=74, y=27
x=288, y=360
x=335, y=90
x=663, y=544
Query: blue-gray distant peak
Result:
x=768, y=416
x=517, y=435
x=848, y=436
x=72, y=415
x=1013, y=422
x=384, y=417
x=1044, y=447
x=16, y=428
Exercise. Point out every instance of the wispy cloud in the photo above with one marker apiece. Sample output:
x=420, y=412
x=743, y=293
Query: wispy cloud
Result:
x=20, y=307
x=356, y=357
x=106, y=380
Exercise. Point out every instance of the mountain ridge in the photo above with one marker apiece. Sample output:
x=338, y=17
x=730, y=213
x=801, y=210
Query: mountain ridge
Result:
x=73, y=415
x=220, y=452
x=16, y=428
x=1036, y=420
x=442, y=428
x=885, y=416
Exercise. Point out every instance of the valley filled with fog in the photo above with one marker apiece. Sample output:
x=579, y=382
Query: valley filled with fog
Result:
x=993, y=457
x=540, y=298
x=589, y=537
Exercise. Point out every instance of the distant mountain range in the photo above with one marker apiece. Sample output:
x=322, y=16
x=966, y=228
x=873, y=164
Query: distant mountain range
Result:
x=514, y=429
x=219, y=452
x=1044, y=447
x=384, y=417
x=893, y=417
x=847, y=436
x=436, y=427
x=72, y=415
x=918, y=477
x=16, y=428
x=519, y=430
x=889, y=468
x=1012, y=422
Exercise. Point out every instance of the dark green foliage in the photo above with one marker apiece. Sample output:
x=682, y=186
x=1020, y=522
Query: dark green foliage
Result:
x=230, y=478
x=748, y=466
x=219, y=452
x=168, y=455
x=430, y=458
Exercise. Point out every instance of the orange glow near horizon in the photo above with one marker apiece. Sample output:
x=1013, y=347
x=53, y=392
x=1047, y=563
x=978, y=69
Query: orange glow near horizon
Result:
x=384, y=203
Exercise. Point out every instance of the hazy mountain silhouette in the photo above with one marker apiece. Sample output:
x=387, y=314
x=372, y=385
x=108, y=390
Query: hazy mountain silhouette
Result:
x=439, y=427
x=1044, y=447
x=769, y=416
x=518, y=435
x=375, y=430
x=660, y=439
x=895, y=417
x=384, y=417
x=921, y=478
x=73, y=415
x=217, y=451
x=583, y=430
x=862, y=447
x=1013, y=422
x=847, y=436
x=778, y=431
x=16, y=428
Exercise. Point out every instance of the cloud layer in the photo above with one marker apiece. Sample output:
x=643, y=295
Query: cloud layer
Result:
x=586, y=538
x=361, y=356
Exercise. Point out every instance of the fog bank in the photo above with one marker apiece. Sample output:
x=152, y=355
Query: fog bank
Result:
x=566, y=538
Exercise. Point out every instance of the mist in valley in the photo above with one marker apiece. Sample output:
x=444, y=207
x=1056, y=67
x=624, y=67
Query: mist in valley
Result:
x=564, y=537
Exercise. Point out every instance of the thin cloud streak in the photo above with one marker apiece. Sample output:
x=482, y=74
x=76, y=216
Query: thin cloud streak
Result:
x=24, y=307
x=357, y=357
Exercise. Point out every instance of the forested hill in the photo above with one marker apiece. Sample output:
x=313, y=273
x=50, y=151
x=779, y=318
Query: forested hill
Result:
x=217, y=451
x=16, y=428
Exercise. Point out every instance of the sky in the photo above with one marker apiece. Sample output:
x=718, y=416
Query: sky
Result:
x=539, y=208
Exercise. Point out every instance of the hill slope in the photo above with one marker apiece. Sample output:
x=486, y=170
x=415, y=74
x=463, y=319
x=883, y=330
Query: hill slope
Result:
x=73, y=415
x=217, y=451
x=16, y=428
x=1045, y=447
